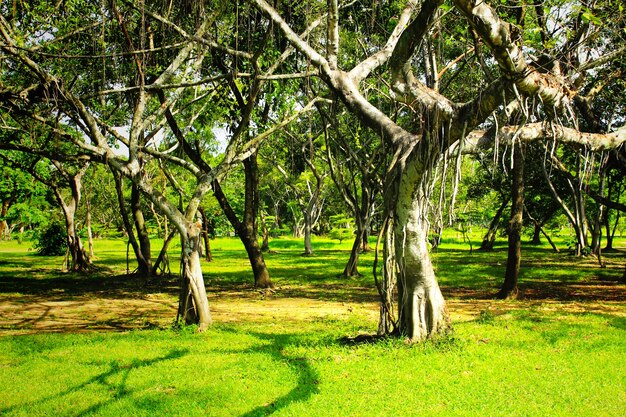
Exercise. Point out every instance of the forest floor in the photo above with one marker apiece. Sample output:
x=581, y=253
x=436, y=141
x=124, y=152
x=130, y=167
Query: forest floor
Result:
x=51, y=302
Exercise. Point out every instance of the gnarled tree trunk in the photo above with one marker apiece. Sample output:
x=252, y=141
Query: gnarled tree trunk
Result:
x=422, y=312
x=193, y=304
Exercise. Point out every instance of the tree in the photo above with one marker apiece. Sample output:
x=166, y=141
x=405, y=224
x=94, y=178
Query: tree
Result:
x=247, y=228
x=145, y=79
x=429, y=125
x=306, y=183
x=356, y=163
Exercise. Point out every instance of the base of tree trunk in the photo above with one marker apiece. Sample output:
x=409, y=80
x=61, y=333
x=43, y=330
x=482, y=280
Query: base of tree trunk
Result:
x=263, y=281
x=508, y=294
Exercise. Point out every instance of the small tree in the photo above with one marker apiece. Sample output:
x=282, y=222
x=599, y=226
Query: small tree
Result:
x=342, y=227
x=52, y=241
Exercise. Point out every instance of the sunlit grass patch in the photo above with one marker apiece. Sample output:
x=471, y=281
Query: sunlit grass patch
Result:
x=307, y=348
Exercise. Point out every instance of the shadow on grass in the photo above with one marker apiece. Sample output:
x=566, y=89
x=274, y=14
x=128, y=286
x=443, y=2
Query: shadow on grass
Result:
x=274, y=346
x=56, y=284
x=118, y=390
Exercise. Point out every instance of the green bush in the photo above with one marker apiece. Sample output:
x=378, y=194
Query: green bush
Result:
x=52, y=241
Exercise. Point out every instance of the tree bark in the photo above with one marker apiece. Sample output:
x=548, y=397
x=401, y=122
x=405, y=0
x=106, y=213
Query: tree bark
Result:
x=422, y=312
x=247, y=229
x=145, y=258
x=308, y=248
x=193, y=305
x=161, y=262
x=265, y=246
x=509, y=287
x=352, y=267
x=79, y=260
x=89, y=231
x=142, y=265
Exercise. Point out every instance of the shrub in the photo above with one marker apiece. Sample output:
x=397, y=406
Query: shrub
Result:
x=52, y=241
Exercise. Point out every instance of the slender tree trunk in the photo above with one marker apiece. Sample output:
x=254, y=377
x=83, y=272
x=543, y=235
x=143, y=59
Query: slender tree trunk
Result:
x=79, y=260
x=119, y=188
x=89, y=231
x=536, y=240
x=490, y=236
x=351, y=269
x=509, y=287
x=205, y=235
x=3, y=212
x=193, y=304
x=610, y=232
x=265, y=246
x=308, y=248
x=422, y=312
x=161, y=262
x=145, y=260
x=247, y=229
x=596, y=234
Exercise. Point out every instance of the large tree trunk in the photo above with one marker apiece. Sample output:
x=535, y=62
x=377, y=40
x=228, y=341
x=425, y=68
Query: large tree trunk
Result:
x=193, y=304
x=509, y=287
x=422, y=312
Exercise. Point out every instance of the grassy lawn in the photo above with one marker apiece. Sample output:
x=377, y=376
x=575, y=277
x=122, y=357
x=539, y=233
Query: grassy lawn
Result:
x=104, y=344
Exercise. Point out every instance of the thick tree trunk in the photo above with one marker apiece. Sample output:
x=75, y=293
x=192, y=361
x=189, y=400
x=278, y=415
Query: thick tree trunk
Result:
x=490, y=236
x=509, y=287
x=193, y=304
x=365, y=243
x=422, y=312
x=257, y=262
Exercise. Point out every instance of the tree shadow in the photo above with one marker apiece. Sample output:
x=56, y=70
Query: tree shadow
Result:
x=119, y=389
x=308, y=379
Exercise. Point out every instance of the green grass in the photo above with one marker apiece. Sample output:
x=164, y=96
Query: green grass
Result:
x=559, y=351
